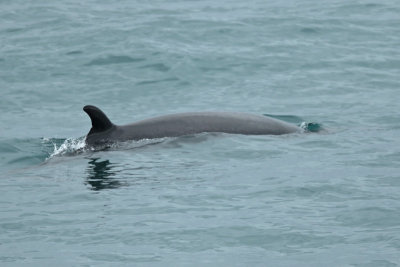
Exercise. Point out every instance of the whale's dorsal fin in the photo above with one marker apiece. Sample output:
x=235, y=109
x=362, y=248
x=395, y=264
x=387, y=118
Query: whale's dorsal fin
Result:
x=100, y=122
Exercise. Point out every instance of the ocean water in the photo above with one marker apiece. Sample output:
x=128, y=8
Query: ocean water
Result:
x=325, y=198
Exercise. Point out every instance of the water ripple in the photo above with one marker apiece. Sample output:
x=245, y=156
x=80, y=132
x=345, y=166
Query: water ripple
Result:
x=113, y=60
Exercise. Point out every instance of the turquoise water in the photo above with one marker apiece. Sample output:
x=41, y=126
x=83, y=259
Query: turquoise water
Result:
x=331, y=197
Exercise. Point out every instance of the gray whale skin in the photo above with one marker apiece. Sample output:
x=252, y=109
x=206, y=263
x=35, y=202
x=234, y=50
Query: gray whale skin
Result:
x=103, y=131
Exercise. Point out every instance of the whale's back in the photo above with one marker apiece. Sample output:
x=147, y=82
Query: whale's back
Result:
x=199, y=122
x=103, y=130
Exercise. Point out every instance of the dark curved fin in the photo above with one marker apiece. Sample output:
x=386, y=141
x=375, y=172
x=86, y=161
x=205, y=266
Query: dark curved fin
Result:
x=100, y=122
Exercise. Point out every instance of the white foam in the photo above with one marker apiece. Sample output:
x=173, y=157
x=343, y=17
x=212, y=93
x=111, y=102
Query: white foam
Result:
x=70, y=146
x=304, y=126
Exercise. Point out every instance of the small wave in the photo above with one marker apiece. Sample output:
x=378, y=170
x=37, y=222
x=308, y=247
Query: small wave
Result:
x=20, y=153
x=157, y=81
x=113, y=60
x=157, y=66
x=75, y=52
x=309, y=30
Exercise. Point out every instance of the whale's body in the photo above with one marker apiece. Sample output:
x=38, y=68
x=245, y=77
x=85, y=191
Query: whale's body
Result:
x=104, y=131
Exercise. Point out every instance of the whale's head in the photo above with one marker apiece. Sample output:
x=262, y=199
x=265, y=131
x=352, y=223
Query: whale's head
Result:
x=102, y=128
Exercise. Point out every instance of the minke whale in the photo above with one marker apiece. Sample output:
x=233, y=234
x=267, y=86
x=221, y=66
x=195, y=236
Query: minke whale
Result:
x=103, y=131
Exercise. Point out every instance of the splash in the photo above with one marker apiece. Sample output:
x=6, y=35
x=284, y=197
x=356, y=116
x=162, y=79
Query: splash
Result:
x=311, y=127
x=69, y=147
x=308, y=127
x=75, y=146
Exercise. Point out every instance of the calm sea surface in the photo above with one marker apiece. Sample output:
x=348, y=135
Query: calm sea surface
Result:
x=327, y=198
